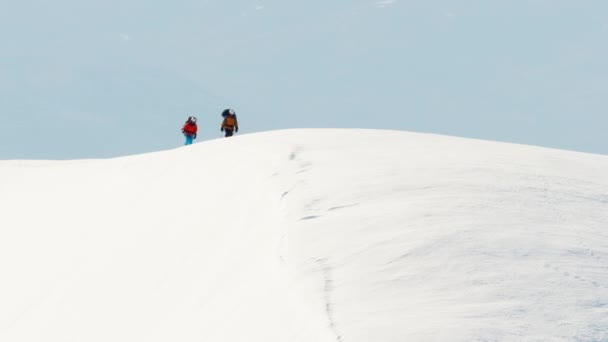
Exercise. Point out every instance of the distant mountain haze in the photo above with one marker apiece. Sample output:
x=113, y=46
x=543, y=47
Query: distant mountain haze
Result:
x=112, y=78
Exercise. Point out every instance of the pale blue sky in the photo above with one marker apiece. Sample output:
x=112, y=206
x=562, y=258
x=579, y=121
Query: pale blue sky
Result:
x=89, y=79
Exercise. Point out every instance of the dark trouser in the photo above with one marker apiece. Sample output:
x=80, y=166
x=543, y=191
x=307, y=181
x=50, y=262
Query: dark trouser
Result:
x=228, y=132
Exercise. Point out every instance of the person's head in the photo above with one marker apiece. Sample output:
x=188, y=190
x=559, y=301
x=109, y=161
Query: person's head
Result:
x=228, y=112
x=192, y=119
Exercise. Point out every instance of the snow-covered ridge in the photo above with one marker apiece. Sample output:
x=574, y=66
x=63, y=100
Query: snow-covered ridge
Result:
x=308, y=235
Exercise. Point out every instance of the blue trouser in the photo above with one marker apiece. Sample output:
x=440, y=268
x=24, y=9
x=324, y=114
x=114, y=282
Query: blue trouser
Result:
x=188, y=139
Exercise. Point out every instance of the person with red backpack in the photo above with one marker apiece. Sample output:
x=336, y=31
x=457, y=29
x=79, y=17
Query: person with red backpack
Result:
x=230, y=124
x=190, y=128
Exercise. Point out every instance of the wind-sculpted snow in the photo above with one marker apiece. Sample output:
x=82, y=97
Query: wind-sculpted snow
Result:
x=308, y=235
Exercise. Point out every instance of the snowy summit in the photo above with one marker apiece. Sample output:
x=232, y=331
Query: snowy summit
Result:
x=305, y=236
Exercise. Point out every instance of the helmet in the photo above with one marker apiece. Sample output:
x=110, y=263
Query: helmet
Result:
x=231, y=111
x=192, y=118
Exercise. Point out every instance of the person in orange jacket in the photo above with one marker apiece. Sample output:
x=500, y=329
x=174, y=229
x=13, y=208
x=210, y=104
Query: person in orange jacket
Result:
x=230, y=125
x=190, y=128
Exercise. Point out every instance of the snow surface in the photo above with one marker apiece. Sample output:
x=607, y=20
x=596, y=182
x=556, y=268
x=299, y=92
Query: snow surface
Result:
x=308, y=235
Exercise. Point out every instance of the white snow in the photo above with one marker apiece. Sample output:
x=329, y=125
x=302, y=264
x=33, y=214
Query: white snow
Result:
x=308, y=235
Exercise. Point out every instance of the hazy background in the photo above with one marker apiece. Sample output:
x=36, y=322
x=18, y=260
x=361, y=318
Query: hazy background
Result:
x=102, y=78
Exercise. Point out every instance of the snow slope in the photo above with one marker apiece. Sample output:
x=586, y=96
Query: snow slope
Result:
x=308, y=235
